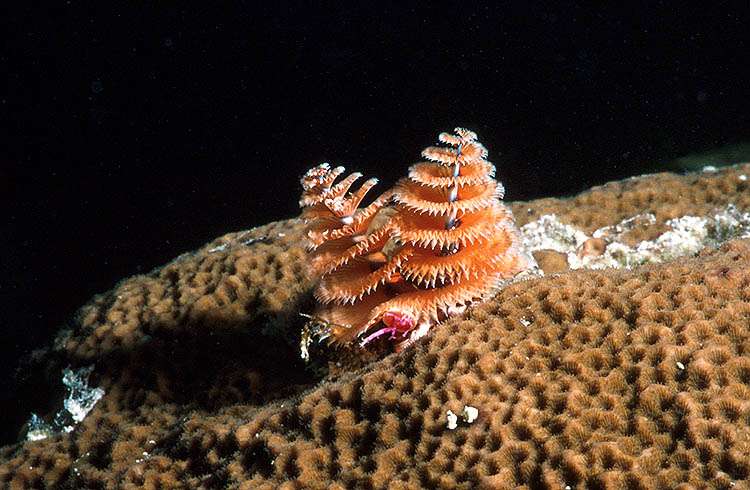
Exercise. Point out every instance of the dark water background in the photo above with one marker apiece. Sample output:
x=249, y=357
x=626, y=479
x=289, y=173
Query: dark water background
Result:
x=135, y=133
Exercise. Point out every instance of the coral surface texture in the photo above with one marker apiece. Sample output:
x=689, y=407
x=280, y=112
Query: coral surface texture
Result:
x=620, y=377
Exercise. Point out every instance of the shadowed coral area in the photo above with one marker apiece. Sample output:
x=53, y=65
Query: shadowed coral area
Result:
x=608, y=379
x=235, y=280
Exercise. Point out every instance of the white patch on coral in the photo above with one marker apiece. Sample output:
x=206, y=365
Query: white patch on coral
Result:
x=81, y=398
x=38, y=429
x=452, y=420
x=420, y=331
x=250, y=241
x=614, y=232
x=687, y=236
x=77, y=404
x=548, y=233
x=454, y=310
x=220, y=248
x=730, y=223
x=469, y=414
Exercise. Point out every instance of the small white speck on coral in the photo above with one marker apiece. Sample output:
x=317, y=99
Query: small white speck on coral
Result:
x=452, y=420
x=469, y=414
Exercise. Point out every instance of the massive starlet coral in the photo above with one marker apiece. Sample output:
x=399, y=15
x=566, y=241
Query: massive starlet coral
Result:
x=435, y=243
x=625, y=377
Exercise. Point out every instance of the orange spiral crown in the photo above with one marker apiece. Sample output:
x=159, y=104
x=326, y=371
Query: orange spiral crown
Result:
x=445, y=242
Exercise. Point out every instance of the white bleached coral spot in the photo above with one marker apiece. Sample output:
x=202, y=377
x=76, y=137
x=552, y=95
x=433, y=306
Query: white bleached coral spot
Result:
x=469, y=414
x=452, y=420
x=687, y=235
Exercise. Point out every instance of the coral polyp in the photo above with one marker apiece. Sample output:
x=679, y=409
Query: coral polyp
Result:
x=439, y=241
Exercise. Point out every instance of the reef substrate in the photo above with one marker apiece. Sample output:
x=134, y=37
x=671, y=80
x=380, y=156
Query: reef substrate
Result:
x=628, y=377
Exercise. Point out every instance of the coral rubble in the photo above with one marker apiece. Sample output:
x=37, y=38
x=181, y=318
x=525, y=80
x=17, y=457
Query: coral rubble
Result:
x=612, y=378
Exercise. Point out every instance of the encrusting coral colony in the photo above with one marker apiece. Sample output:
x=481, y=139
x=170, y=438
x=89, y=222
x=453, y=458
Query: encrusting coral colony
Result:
x=630, y=377
x=447, y=242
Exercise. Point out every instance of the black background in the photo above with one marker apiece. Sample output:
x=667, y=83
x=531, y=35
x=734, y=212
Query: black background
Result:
x=137, y=132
